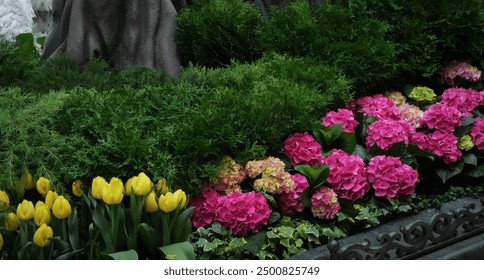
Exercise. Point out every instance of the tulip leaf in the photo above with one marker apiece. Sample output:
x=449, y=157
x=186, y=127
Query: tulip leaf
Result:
x=70, y=255
x=102, y=223
x=124, y=255
x=73, y=224
x=151, y=239
x=179, y=251
x=182, y=227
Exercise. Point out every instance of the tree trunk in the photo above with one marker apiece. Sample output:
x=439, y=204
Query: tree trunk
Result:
x=123, y=32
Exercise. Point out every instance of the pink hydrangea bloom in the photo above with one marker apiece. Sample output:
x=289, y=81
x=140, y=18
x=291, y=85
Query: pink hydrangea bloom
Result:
x=390, y=178
x=206, y=205
x=290, y=201
x=420, y=140
x=229, y=177
x=441, y=117
x=273, y=177
x=477, y=133
x=385, y=133
x=243, y=212
x=459, y=69
x=444, y=145
x=324, y=203
x=347, y=176
x=303, y=148
x=344, y=117
x=411, y=114
x=464, y=100
x=378, y=106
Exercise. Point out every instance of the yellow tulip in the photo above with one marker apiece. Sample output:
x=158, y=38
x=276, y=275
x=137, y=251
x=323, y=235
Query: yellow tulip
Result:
x=27, y=181
x=128, y=185
x=151, y=206
x=25, y=210
x=61, y=208
x=181, y=198
x=162, y=186
x=113, y=193
x=77, y=187
x=167, y=202
x=42, y=214
x=42, y=235
x=98, y=184
x=50, y=197
x=142, y=184
x=1, y=241
x=11, y=223
x=43, y=186
x=4, y=200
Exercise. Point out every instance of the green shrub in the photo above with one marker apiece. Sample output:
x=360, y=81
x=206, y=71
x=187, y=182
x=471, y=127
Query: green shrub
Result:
x=182, y=129
x=15, y=66
x=212, y=32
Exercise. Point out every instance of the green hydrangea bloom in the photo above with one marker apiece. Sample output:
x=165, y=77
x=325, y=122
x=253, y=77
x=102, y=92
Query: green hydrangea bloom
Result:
x=465, y=143
x=422, y=94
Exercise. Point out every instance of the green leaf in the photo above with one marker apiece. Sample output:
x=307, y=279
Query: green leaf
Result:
x=469, y=158
x=73, y=224
x=182, y=227
x=476, y=172
x=327, y=135
x=150, y=238
x=366, y=214
x=346, y=142
x=316, y=174
x=362, y=152
x=124, y=255
x=449, y=171
x=179, y=251
x=256, y=241
x=466, y=121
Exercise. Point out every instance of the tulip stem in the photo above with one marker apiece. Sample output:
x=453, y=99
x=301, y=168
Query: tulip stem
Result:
x=64, y=231
x=166, y=229
x=42, y=253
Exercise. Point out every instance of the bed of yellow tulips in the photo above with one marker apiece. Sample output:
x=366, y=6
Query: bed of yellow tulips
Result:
x=108, y=220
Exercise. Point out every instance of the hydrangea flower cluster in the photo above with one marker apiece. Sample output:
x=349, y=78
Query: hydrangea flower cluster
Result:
x=347, y=176
x=274, y=179
x=344, y=117
x=206, y=206
x=385, y=133
x=230, y=176
x=443, y=145
x=290, y=201
x=462, y=70
x=477, y=133
x=303, y=148
x=441, y=117
x=422, y=94
x=378, y=106
x=324, y=203
x=465, y=143
x=464, y=100
x=243, y=212
x=411, y=114
x=390, y=178
x=397, y=97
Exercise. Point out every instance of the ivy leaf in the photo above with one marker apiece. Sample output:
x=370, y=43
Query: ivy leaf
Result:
x=370, y=216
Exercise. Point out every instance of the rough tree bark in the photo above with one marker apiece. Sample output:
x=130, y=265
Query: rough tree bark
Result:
x=123, y=32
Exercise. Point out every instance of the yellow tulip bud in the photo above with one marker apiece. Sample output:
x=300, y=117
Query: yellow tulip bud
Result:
x=4, y=200
x=25, y=210
x=1, y=241
x=11, y=223
x=27, y=181
x=41, y=214
x=50, y=197
x=167, y=202
x=98, y=184
x=113, y=192
x=142, y=184
x=42, y=235
x=180, y=197
x=151, y=205
x=129, y=185
x=61, y=208
x=77, y=187
x=162, y=186
x=43, y=186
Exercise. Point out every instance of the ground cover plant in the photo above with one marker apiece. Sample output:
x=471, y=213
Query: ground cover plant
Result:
x=274, y=140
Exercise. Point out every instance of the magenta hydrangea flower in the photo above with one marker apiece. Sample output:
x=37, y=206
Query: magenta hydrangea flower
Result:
x=477, y=134
x=444, y=145
x=464, y=100
x=206, y=204
x=441, y=117
x=243, y=212
x=324, y=203
x=273, y=177
x=303, y=148
x=347, y=176
x=420, y=140
x=385, y=133
x=462, y=70
x=344, y=117
x=290, y=201
x=229, y=177
x=378, y=106
x=390, y=178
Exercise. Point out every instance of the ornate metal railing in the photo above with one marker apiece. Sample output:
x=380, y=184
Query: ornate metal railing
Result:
x=411, y=237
